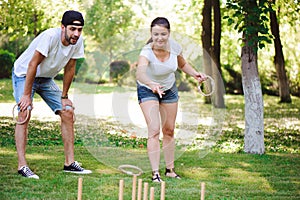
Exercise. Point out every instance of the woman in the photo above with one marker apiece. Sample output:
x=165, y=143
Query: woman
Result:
x=158, y=95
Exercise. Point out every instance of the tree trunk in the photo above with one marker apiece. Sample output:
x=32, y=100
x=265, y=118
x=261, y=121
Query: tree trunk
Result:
x=206, y=40
x=218, y=98
x=284, y=89
x=254, y=123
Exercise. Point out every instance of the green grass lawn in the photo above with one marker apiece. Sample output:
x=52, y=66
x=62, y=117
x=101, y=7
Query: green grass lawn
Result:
x=228, y=172
x=227, y=176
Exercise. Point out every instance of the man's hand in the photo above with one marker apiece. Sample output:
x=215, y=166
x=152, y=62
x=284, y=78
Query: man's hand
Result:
x=66, y=103
x=25, y=103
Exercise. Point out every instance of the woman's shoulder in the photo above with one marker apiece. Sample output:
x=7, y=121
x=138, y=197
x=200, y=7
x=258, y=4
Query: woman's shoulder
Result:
x=175, y=46
x=147, y=48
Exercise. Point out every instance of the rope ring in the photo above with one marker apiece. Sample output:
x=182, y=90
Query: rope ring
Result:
x=124, y=167
x=26, y=118
x=212, y=87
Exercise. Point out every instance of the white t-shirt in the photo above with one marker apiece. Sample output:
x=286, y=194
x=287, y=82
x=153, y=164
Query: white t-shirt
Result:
x=49, y=44
x=162, y=72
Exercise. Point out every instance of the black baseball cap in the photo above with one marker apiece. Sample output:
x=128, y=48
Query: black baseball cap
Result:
x=70, y=16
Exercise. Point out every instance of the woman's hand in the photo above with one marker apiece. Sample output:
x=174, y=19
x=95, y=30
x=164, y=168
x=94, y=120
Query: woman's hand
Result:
x=157, y=88
x=200, y=77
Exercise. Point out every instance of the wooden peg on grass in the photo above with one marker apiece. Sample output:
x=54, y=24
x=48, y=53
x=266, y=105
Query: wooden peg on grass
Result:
x=152, y=193
x=162, y=190
x=134, y=188
x=145, y=191
x=139, y=195
x=202, y=190
x=121, y=189
x=79, y=194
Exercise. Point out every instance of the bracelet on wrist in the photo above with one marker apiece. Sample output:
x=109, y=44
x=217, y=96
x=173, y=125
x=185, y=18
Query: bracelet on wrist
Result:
x=64, y=97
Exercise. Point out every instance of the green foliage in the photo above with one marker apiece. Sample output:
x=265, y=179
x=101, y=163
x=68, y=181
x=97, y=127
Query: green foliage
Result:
x=105, y=20
x=251, y=20
x=6, y=63
x=21, y=18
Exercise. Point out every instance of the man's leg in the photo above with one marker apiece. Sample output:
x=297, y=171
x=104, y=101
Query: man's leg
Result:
x=21, y=132
x=67, y=131
x=51, y=94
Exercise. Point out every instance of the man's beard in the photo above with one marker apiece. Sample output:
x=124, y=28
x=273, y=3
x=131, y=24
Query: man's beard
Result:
x=68, y=39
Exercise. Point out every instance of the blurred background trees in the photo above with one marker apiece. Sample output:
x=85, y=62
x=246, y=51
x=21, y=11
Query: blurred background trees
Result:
x=111, y=34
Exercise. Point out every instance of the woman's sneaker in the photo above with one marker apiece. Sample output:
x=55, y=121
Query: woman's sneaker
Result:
x=76, y=168
x=26, y=172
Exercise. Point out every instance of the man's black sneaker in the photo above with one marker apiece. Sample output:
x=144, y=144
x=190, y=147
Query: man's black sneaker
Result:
x=26, y=172
x=75, y=168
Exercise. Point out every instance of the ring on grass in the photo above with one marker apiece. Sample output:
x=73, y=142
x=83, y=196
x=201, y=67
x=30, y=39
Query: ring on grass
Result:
x=206, y=87
x=131, y=170
x=26, y=118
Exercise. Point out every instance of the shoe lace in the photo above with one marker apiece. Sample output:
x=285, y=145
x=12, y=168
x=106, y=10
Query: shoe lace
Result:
x=77, y=165
x=27, y=171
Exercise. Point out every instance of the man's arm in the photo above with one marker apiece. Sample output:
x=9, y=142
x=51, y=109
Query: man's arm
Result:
x=69, y=73
x=25, y=100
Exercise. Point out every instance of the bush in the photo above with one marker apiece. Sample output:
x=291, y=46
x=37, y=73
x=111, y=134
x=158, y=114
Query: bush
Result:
x=118, y=69
x=7, y=60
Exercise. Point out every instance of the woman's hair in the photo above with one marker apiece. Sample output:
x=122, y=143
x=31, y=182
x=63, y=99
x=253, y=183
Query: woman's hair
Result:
x=160, y=21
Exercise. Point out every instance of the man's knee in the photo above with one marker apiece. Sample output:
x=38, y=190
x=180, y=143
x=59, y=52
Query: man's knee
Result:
x=67, y=114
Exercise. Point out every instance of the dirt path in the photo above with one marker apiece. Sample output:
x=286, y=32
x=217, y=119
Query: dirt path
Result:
x=124, y=107
x=120, y=107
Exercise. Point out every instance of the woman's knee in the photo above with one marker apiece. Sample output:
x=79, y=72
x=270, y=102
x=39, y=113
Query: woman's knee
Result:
x=168, y=131
x=153, y=134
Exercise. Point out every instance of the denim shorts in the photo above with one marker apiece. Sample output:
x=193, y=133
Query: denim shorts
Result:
x=45, y=87
x=145, y=94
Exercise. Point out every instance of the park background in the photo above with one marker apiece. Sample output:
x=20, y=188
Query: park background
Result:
x=112, y=46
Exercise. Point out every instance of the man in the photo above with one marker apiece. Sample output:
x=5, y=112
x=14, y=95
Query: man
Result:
x=34, y=70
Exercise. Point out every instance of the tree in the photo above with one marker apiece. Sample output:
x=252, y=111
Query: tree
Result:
x=251, y=18
x=216, y=51
x=284, y=89
x=211, y=53
x=206, y=39
x=19, y=22
x=21, y=18
x=105, y=20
